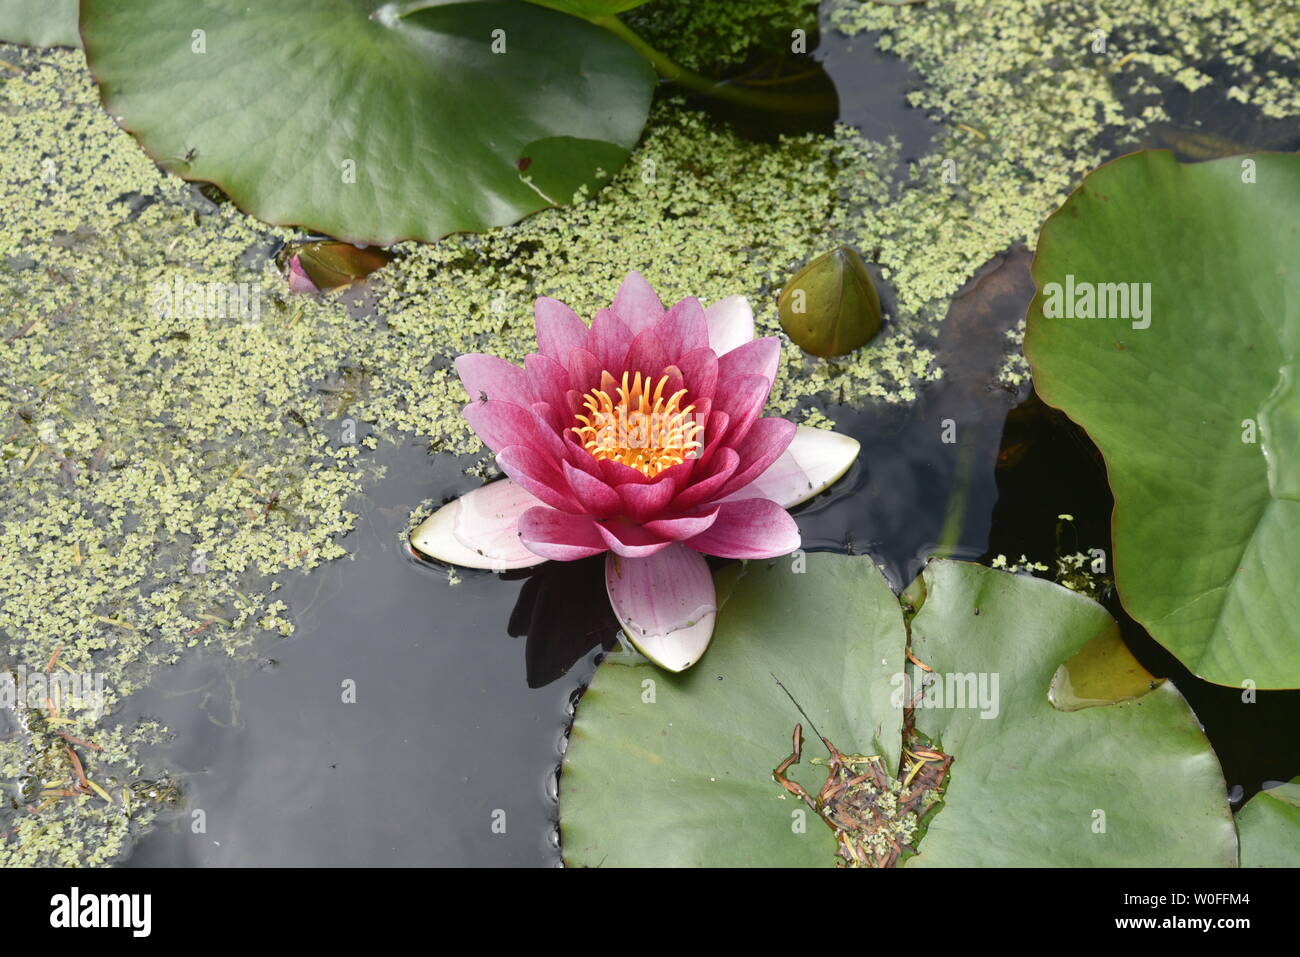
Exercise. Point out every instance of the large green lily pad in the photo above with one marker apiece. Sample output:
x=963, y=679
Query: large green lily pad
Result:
x=1196, y=407
x=1269, y=826
x=676, y=770
x=347, y=118
x=1133, y=782
x=40, y=23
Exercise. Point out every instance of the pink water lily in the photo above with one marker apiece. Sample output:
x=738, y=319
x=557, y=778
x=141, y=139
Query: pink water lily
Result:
x=640, y=436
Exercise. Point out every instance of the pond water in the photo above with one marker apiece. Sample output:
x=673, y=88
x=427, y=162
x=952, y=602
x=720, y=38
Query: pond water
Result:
x=411, y=721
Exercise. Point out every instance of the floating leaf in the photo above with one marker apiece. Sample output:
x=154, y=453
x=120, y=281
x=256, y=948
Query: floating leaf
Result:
x=676, y=770
x=1190, y=392
x=365, y=122
x=1269, y=826
x=40, y=23
x=830, y=307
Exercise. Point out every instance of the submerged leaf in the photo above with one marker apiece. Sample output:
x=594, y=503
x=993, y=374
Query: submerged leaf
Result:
x=1101, y=672
x=332, y=265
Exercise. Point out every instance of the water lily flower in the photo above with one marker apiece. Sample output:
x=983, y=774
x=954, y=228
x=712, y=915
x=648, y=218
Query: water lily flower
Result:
x=641, y=437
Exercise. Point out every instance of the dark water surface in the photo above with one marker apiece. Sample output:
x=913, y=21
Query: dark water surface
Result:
x=462, y=693
x=444, y=732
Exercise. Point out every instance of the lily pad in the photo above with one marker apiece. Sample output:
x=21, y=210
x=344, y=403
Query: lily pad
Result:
x=367, y=122
x=40, y=23
x=1189, y=390
x=676, y=770
x=1269, y=826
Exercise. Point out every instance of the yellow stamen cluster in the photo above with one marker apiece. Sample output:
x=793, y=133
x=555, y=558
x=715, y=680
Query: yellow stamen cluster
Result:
x=636, y=425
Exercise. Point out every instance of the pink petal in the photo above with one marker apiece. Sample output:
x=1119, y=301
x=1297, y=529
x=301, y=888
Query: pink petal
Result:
x=609, y=339
x=699, y=373
x=480, y=529
x=636, y=303
x=815, y=460
x=643, y=503
x=731, y=323
x=579, y=457
x=752, y=528
x=742, y=399
x=683, y=329
x=584, y=371
x=501, y=424
x=665, y=603
x=683, y=527
x=716, y=433
x=487, y=377
x=675, y=381
x=616, y=474
x=559, y=535
x=595, y=496
x=759, y=357
x=548, y=380
x=554, y=419
x=647, y=355
x=630, y=541
x=559, y=330
x=540, y=477
x=766, y=442
x=708, y=487
x=679, y=475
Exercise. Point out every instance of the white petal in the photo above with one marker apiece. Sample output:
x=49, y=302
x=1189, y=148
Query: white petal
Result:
x=480, y=529
x=731, y=323
x=665, y=603
x=815, y=460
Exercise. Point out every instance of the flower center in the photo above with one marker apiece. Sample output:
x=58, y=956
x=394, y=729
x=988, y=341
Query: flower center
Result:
x=634, y=424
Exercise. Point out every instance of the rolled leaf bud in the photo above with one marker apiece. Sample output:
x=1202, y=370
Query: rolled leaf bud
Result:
x=830, y=307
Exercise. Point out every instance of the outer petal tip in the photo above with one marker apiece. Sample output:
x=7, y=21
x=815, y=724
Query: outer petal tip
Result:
x=730, y=322
x=824, y=456
x=814, y=461
x=478, y=530
x=665, y=604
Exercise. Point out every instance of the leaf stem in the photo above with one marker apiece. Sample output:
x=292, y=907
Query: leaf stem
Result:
x=721, y=89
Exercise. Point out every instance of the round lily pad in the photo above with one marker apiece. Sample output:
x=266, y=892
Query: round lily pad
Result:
x=369, y=122
x=1269, y=826
x=1167, y=324
x=677, y=770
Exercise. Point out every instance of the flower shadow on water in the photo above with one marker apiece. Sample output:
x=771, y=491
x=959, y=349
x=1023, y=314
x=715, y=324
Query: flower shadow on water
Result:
x=563, y=614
